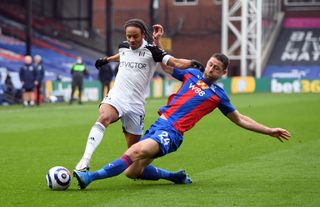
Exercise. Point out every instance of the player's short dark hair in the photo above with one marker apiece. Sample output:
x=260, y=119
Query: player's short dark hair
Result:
x=142, y=26
x=222, y=58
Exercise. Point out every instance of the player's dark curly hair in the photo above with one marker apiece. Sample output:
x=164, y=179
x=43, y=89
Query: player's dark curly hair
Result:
x=223, y=58
x=141, y=25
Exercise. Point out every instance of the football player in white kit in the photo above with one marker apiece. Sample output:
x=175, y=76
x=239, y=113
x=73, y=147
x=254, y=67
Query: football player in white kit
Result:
x=138, y=57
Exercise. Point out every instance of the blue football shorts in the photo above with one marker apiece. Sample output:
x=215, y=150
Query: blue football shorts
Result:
x=166, y=135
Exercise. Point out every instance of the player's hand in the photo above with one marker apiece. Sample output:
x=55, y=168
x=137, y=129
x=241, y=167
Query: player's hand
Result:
x=157, y=31
x=197, y=64
x=100, y=62
x=280, y=134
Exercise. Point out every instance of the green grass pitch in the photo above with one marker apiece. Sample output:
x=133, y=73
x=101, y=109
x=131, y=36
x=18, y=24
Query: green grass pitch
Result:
x=229, y=166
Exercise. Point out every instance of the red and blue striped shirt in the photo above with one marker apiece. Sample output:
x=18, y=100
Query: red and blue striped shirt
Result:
x=194, y=99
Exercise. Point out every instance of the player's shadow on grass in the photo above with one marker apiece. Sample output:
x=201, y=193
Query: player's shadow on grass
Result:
x=134, y=186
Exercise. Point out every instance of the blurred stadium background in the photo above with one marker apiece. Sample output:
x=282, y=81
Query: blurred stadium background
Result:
x=273, y=45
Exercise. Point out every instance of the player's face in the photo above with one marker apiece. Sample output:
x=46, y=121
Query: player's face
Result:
x=214, y=69
x=134, y=37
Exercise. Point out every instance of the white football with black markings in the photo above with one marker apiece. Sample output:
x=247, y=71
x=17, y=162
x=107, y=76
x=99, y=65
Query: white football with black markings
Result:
x=58, y=178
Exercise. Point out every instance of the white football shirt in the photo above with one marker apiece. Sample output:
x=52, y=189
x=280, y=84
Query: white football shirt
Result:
x=136, y=69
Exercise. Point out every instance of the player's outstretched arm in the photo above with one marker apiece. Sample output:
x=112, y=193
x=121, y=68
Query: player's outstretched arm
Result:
x=280, y=134
x=105, y=60
x=250, y=124
x=114, y=58
x=181, y=63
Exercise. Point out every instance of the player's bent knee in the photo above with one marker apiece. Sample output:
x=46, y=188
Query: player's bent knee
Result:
x=105, y=119
x=137, y=152
x=134, y=153
x=144, y=152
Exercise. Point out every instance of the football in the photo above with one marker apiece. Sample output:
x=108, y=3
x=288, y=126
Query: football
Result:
x=58, y=178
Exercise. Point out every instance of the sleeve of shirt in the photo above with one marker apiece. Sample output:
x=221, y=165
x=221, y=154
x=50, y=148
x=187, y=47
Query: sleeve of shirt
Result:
x=124, y=44
x=179, y=74
x=158, y=54
x=225, y=105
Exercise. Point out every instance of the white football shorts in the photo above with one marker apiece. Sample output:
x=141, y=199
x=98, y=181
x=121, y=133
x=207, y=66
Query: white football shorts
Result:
x=131, y=116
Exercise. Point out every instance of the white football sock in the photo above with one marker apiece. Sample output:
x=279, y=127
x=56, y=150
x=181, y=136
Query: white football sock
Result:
x=94, y=139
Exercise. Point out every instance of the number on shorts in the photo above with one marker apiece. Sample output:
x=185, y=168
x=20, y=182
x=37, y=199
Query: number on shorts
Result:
x=164, y=138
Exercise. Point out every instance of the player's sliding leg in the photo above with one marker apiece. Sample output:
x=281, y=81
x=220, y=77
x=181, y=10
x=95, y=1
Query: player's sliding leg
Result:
x=142, y=153
x=141, y=169
x=153, y=173
x=118, y=166
x=142, y=150
x=110, y=170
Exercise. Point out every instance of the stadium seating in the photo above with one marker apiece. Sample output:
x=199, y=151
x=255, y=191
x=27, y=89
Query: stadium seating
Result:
x=57, y=56
x=17, y=13
x=57, y=59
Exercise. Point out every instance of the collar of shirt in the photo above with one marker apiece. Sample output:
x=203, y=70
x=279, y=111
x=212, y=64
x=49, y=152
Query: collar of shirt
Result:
x=144, y=43
x=211, y=85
